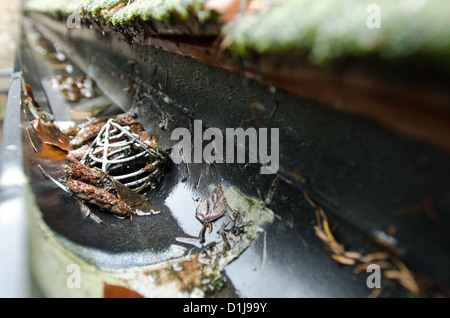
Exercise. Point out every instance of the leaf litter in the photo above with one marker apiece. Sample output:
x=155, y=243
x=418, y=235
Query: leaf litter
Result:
x=390, y=261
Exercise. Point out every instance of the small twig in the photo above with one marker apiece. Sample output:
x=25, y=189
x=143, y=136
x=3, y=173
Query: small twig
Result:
x=224, y=225
x=202, y=232
x=319, y=223
x=31, y=141
x=260, y=197
x=189, y=240
x=186, y=167
x=271, y=190
x=198, y=180
x=295, y=174
x=59, y=184
x=87, y=212
x=275, y=107
x=308, y=199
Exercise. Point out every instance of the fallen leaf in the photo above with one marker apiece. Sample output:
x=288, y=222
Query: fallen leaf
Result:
x=50, y=134
x=135, y=200
x=51, y=153
x=211, y=209
x=31, y=94
x=115, y=291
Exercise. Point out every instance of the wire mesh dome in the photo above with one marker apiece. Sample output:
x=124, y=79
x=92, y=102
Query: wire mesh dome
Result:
x=127, y=158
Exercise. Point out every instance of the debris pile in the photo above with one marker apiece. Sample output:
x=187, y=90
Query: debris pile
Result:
x=74, y=87
x=110, y=162
x=389, y=259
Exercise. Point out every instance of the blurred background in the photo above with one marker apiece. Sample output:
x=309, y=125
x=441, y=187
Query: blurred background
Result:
x=9, y=31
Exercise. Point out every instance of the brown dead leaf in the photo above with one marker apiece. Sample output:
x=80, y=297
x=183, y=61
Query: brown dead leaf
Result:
x=211, y=209
x=135, y=200
x=44, y=150
x=51, y=153
x=115, y=291
x=50, y=134
x=31, y=95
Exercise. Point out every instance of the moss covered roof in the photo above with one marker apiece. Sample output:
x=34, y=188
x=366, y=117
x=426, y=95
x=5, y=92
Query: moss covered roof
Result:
x=330, y=28
x=325, y=29
x=120, y=12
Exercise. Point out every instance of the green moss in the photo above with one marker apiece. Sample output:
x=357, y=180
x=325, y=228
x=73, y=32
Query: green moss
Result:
x=93, y=8
x=161, y=10
x=328, y=29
